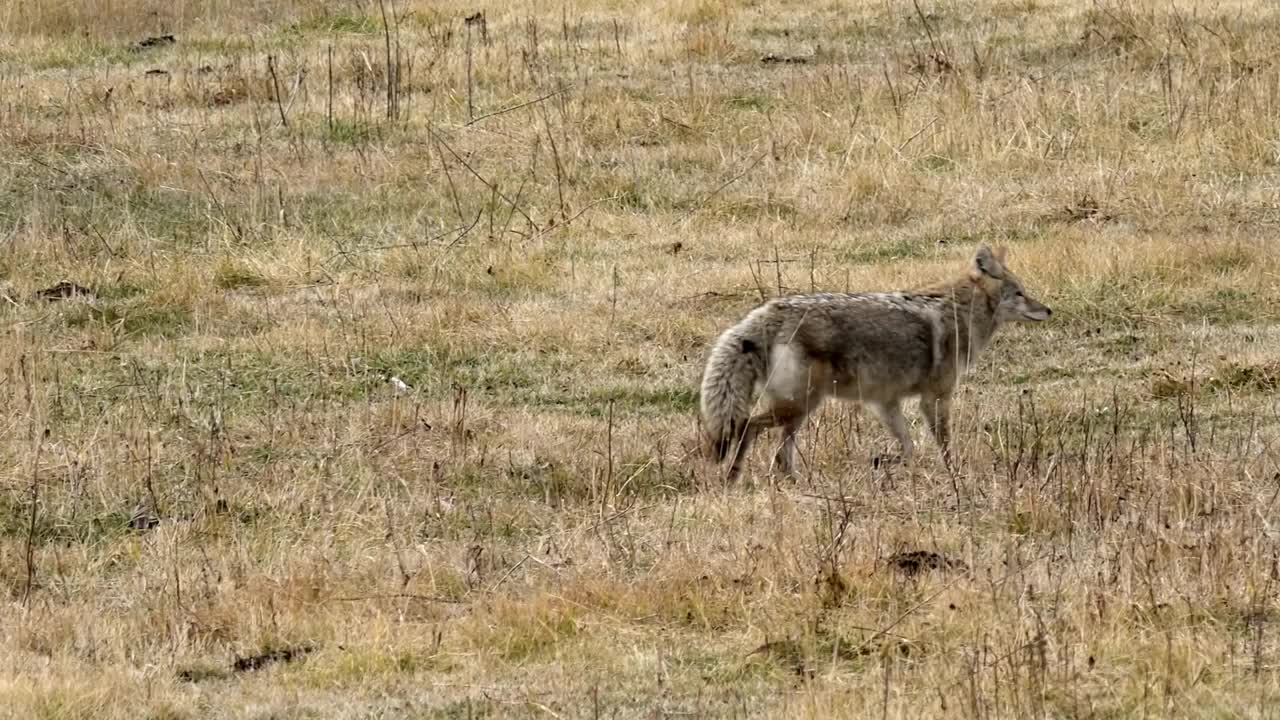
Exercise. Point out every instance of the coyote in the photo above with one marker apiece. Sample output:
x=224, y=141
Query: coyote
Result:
x=874, y=348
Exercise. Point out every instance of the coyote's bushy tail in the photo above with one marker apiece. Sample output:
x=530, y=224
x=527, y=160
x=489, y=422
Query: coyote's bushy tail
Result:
x=736, y=364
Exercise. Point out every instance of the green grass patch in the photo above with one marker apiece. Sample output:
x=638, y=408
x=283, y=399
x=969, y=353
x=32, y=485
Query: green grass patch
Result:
x=74, y=55
x=354, y=133
x=132, y=318
x=340, y=22
x=230, y=275
x=749, y=102
x=887, y=251
x=54, y=523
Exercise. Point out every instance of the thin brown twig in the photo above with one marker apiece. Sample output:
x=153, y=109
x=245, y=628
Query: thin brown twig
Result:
x=513, y=108
x=275, y=83
x=904, y=615
x=463, y=230
x=555, y=157
x=751, y=166
x=509, y=572
x=222, y=209
x=471, y=106
x=605, y=521
x=31, y=527
x=917, y=134
x=928, y=30
x=397, y=596
x=391, y=79
x=575, y=216
x=481, y=178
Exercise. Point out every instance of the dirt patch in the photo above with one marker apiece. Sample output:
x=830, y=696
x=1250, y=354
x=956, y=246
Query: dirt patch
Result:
x=261, y=660
x=65, y=291
x=915, y=562
x=154, y=42
x=1085, y=208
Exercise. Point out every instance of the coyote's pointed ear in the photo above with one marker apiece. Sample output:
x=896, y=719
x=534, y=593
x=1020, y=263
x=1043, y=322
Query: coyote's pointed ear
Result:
x=1000, y=252
x=987, y=263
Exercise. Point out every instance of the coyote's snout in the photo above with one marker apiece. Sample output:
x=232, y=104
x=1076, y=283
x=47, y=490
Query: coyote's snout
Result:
x=873, y=348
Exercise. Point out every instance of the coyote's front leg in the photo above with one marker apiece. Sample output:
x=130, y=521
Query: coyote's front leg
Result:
x=890, y=414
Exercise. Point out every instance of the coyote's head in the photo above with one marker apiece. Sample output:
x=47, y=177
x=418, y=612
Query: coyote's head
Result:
x=1012, y=302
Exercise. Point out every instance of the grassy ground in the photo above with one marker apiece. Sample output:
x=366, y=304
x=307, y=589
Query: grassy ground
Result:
x=215, y=502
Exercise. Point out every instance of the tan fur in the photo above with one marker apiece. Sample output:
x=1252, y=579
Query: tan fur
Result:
x=792, y=352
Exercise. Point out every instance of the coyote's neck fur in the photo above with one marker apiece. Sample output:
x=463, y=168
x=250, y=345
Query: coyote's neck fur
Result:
x=967, y=317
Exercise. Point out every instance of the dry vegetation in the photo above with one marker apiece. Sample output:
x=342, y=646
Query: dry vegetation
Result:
x=216, y=502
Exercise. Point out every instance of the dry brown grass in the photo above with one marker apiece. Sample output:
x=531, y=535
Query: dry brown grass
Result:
x=525, y=530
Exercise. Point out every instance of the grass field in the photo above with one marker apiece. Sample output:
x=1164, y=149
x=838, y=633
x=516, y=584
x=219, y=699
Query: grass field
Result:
x=215, y=501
